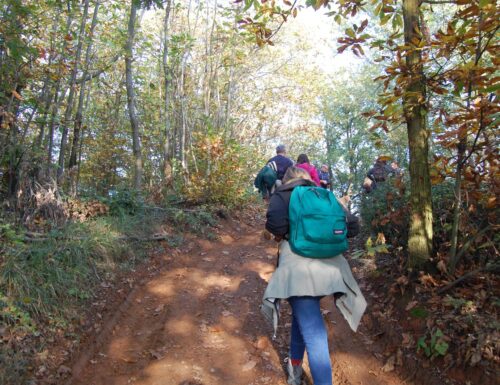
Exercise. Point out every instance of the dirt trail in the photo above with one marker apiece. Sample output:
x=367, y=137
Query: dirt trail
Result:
x=197, y=322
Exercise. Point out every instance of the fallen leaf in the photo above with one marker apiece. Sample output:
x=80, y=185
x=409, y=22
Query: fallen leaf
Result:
x=63, y=370
x=262, y=343
x=411, y=305
x=156, y=354
x=399, y=358
x=16, y=95
x=389, y=365
x=160, y=308
x=249, y=365
x=407, y=340
x=42, y=356
x=442, y=266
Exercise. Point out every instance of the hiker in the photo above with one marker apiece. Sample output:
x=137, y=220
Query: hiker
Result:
x=376, y=174
x=265, y=180
x=303, y=281
x=324, y=176
x=303, y=162
x=395, y=170
x=282, y=163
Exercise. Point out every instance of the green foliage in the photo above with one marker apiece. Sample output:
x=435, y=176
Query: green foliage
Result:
x=125, y=201
x=198, y=221
x=9, y=234
x=385, y=210
x=419, y=312
x=436, y=346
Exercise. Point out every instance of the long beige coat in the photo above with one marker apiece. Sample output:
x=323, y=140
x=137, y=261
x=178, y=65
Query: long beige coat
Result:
x=300, y=276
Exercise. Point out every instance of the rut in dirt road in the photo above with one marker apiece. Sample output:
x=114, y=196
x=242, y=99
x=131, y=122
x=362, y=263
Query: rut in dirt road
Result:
x=197, y=322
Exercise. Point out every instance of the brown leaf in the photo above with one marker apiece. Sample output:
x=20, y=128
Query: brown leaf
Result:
x=249, y=365
x=16, y=95
x=389, y=365
x=442, y=266
x=411, y=305
x=407, y=340
x=262, y=343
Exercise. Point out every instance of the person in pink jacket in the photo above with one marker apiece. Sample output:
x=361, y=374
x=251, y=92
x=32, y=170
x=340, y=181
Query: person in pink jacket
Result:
x=303, y=162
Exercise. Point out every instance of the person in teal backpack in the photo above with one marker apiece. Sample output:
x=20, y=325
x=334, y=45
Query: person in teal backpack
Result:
x=312, y=229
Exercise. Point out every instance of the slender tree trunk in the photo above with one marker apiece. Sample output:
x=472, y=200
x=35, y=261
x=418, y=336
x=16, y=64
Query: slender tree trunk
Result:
x=183, y=133
x=58, y=96
x=167, y=146
x=78, y=117
x=420, y=232
x=134, y=122
x=49, y=96
x=461, y=149
x=80, y=149
x=71, y=96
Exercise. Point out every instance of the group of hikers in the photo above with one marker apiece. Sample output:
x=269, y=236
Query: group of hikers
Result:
x=271, y=176
x=312, y=228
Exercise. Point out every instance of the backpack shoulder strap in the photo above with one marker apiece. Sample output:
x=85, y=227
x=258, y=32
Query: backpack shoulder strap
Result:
x=272, y=166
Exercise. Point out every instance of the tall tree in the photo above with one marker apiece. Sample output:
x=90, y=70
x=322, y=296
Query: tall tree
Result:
x=167, y=80
x=79, y=109
x=72, y=89
x=415, y=113
x=131, y=102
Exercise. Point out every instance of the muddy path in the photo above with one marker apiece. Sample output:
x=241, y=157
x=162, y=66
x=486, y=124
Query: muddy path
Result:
x=196, y=321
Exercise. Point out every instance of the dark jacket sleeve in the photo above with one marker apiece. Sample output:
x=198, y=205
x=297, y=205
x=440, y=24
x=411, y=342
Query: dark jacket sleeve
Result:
x=277, y=215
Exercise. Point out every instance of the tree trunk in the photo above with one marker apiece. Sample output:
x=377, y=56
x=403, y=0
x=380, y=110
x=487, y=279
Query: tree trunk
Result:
x=461, y=149
x=420, y=232
x=183, y=133
x=134, y=122
x=167, y=146
x=56, y=104
x=78, y=117
x=80, y=149
x=71, y=96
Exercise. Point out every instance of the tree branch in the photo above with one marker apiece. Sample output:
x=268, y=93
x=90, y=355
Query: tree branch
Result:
x=95, y=74
x=490, y=268
x=437, y=2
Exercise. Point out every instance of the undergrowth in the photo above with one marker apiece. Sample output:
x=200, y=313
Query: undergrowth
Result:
x=46, y=280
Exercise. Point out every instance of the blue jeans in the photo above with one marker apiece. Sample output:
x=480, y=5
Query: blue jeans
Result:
x=309, y=333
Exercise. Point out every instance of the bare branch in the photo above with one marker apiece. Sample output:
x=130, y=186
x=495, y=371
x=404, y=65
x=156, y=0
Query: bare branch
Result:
x=438, y=2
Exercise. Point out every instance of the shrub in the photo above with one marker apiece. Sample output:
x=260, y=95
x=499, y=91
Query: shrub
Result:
x=385, y=210
x=124, y=201
x=222, y=173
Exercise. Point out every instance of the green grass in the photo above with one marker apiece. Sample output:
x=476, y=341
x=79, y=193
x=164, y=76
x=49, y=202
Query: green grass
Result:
x=45, y=285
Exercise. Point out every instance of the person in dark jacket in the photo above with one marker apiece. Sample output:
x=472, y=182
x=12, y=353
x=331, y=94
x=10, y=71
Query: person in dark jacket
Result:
x=282, y=162
x=303, y=282
x=324, y=176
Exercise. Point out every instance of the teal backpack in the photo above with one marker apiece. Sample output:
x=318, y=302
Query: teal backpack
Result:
x=317, y=223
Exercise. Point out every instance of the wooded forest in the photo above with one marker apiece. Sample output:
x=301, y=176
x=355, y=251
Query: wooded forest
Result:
x=117, y=117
